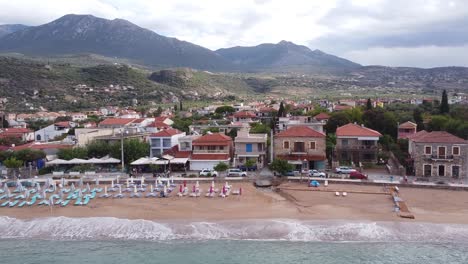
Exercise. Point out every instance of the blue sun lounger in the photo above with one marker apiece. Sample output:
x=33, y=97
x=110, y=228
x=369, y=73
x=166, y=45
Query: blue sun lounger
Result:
x=33, y=201
x=4, y=204
x=65, y=203
x=78, y=201
x=86, y=201
x=22, y=204
x=12, y=204
x=3, y=197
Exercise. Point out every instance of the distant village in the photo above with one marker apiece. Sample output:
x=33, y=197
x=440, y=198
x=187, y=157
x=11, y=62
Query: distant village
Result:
x=306, y=135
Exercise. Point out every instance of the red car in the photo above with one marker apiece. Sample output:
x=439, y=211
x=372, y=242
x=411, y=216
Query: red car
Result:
x=357, y=175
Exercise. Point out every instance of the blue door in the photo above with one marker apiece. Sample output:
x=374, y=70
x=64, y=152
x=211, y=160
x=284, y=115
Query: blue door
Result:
x=248, y=147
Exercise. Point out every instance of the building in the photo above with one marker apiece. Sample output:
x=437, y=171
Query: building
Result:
x=164, y=140
x=301, y=146
x=115, y=122
x=250, y=147
x=53, y=131
x=23, y=134
x=244, y=117
x=291, y=121
x=78, y=117
x=209, y=150
x=322, y=117
x=356, y=143
x=438, y=154
x=407, y=129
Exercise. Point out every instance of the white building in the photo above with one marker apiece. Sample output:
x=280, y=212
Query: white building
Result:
x=55, y=130
x=164, y=140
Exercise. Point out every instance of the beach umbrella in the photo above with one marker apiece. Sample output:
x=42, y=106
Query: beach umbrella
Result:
x=63, y=182
x=97, y=181
x=128, y=183
x=118, y=177
x=135, y=189
x=142, y=180
x=44, y=194
x=185, y=183
x=172, y=179
x=38, y=187
x=18, y=184
x=81, y=182
x=180, y=188
x=212, y=184
x=131, y=179
x=72, y=187
x=151, y=188
x=80, y=193
x=158, y=181
x=165, y=190
x=194, y=188
x=197, y=185
x=224, y=189
x=112, y=184
x=61, y=195
x=105, y=190
x=120, y=189
x=211, y=189
x=51, y=200
x=88, y=188
x=168, y=184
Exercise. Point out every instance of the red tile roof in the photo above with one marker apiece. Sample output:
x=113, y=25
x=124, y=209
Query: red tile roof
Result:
x=176, y=153
x=63, y=124
x=15, y=131
x=210, y=157
x=138, y=120
x=322, y=116
x=117, y=121
x=300, y=131
x=354, y=130
x=437, y=137
x=244, y=114
x=266, y=110
x=40, y=146
x=212, y=139
x=167, y=133
x=342, y=107
x=159, y=124
x=408, y=124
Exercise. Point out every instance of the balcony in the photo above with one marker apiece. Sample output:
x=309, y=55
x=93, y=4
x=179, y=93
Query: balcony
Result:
x=441, y=157
x=204, y=151
x=357, y=147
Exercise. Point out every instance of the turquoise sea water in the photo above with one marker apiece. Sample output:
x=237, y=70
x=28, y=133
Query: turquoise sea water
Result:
x=111, y=240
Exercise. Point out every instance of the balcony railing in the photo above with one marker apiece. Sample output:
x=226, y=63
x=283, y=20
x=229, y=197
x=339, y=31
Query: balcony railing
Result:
x=357, y=147
x=441, y=157
x=210, y=151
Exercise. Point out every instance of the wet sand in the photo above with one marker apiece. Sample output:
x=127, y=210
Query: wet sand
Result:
x=437, y=206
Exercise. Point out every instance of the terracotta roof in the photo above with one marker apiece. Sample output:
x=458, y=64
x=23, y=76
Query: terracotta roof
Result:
x=408, y=124
x=300, y=131
x=15, y=130
x=212, y=139
x=342, y=107
x=266, y=109
x=40, y=146
x=138, y=120
x=322, y=116
x=176, y=153
x=244, y=114
x=116, y=121
x=160, y=118
x=437, y=137
x=210, y=157
x=354, y=130
x=159, y=124
x=167, y=133
x=63, y=124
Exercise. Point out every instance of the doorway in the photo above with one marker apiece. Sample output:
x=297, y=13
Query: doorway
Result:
x=441, y=170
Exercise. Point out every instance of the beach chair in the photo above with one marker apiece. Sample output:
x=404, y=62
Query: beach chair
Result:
x=33, y=200
x=58, y=202
x=119, y=195
x=44, y=202
x=12, y=204
x=65, y=203
x=5, y=204
x=86, y=200
x=78, y=201
x=22, y=204
x=3, y=197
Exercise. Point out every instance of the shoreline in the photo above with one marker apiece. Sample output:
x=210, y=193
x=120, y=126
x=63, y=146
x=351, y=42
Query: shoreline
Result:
x=363, y=203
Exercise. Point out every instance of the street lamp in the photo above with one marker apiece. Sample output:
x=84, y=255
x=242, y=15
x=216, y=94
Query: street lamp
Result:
x=122, y=148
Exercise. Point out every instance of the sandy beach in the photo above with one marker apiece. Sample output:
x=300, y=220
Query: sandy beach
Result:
x=294, y=201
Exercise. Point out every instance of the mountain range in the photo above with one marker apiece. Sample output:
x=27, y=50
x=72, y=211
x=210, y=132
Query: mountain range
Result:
x=86, y=34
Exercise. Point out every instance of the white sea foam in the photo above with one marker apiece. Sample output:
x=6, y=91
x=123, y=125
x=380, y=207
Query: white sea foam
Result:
x=104, y=228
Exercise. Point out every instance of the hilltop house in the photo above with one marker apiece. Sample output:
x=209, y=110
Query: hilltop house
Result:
x=406, y=129
x=438, y=153
x=355, y=143
x=250, y=147
x=291, y=121
x=24, y=134
x=49, y=133
x=244, y=117
x=301, y=146
x=209, y=150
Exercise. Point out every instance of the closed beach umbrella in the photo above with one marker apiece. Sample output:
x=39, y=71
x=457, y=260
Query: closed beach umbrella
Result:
x=197, y=185
x=87, y=187
x=142, y=180
x=63, y=182
x=128, y=183
x=118, y=177
x=168, y=184
x=72, y=187
x=211, y=189
x=185, y=183
x=97, y=181
x=131, y=179
x=105, y=190
x=81, y=182
x=224, y=189
x=194, y=188
x=120, y=189
x=112, y=184
x=172, y=179
x=151, y=188
x=180, y=188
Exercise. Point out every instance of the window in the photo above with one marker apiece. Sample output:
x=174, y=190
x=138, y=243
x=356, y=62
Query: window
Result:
x=286, y=144
x=166, y=142
x=456, y=150
x=299, y=147
x=221, y=148
x=441, y=152
x=38, y=137
x=260, y=147
x=312, y=145
x=248, y=147
x=156, y=142
x=428, y=150
x=211, y=147
x=344, y=142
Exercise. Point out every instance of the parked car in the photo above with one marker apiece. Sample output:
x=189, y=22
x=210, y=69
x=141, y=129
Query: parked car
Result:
x=244, y=168
x=236, y=173
x=344, y=170
x=207, y=172
x=316, y=173
x=292, y=173
x=357, y=175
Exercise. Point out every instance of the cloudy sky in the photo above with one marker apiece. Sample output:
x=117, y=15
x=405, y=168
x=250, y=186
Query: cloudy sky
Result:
x=422, y=33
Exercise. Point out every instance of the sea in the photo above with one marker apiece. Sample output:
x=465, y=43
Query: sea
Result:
x=112, y=240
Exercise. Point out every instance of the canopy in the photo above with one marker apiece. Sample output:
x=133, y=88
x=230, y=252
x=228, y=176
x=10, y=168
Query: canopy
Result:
x=83, y=161
x=145, y=161
x=57, y=162
x=179, y=160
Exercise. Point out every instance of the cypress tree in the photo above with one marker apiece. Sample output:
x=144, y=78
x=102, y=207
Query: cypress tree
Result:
x=281, y=112
x=369, y=104
x=444, y=106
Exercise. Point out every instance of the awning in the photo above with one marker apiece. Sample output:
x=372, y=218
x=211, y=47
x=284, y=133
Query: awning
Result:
x=161, y=162
x=249, y=155
x=295, y=162
x=145, y=161
x=179, y=160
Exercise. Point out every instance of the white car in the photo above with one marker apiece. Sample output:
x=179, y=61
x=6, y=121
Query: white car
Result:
x=344, y=170
x=207, y=172
x=316, y=173
x=236, y=173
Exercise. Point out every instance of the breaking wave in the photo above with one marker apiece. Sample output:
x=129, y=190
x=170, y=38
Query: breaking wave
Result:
x=108, y=228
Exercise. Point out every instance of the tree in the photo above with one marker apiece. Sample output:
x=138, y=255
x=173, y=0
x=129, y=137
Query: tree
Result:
x=63, y=119
x=281, y=110
x=418, y=119
x=225, y=109
x=369, y=104
x=259, y=128
x=330, y=146
x=250, y=163
x=280, y=166
x=13, y=164
x=73, y=153
x=180, y=106
x=133, y=150
x=98, y=149
x=233, y=133
x=29, y=155
x=221, y=167
x=336, y=120
x=5, y=123
x=444, y=106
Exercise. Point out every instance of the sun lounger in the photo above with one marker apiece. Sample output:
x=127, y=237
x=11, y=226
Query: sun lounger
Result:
x=78, y=201
x=5, y=204
x=3, y=197
x=135, y=195
x=105, y=195
x=12, y=204
x=97, y=190
x=33, y=200
x=22, y=204
x=65, y=203
x=58, y=202
x=119, y=195
x=21, y=196
x=86, y=201
x=44, y=202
